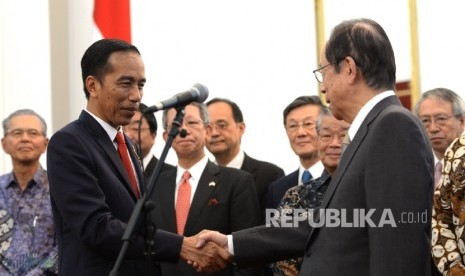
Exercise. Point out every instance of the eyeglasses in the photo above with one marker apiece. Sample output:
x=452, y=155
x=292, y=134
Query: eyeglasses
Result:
x=19, y=132
x=220, y=125
x=440, y=120
x=318, y=74
x=294, y=126
x=190, y=123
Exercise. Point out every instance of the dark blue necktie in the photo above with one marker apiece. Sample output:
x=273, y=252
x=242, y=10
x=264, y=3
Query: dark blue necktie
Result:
x=306, y=177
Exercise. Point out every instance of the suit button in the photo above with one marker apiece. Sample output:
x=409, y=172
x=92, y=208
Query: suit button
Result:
x=308, y=252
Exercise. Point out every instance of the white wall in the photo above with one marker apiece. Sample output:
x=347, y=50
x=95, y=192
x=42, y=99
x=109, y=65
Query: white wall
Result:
x=24, y=61
x=441, y=48
x=258, y=53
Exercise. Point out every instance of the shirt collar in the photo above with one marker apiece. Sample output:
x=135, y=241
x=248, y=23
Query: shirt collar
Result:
x=195, y=171
x=39, y=178
x=111, y=131
x=363, y=113
x=147, y=160
x=316, y=170
x=237, y=161
x=436, y=160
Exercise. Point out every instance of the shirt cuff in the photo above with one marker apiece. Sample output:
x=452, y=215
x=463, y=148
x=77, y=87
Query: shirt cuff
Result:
x=230, y=245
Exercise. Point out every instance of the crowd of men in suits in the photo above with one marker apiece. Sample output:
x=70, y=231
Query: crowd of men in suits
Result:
x=299, y=116
x=352, y=157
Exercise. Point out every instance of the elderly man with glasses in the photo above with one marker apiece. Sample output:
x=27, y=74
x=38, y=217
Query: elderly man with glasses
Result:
x=27, y=233
x=299, y=118
x=224, y=142
x=199, y=194
x=385, y=173
x=441, y=111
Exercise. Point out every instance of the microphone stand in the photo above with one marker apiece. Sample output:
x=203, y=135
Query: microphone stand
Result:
x=145, y=204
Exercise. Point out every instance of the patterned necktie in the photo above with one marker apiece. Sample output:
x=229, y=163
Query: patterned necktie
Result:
x=437, y=173
x=306, y=177
x=123, y=153
x=183, y=202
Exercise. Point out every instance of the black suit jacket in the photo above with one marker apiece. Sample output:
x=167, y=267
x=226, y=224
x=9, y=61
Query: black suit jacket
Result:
x=151, y=168
x=92, y=201
x=225, y=201
x=388, y=167
x=278, y=188
x=264, y=173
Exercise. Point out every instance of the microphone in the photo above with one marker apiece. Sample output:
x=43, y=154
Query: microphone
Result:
x=198, y=93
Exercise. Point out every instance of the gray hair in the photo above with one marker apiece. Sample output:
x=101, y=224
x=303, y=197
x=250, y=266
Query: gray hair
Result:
x=7, y=120
x=447, y=95
x=325, y=111
x=202, y=110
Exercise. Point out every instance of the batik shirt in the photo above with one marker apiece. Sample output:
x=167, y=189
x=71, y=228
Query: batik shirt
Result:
x=27, y=235
x=448, y=223
x=308, y=197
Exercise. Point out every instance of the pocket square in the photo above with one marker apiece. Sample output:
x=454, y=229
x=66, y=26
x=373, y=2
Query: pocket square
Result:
x=212, y=184
x=213, y=201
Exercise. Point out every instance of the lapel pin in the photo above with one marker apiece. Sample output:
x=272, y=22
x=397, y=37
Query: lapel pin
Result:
x=212, y=184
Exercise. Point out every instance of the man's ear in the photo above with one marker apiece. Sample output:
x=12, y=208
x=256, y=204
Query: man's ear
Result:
x=351, y=68
x=92, y=85
x=241, y=126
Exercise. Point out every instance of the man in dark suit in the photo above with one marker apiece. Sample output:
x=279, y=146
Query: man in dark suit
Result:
x=221, y=199
x=92, y=192
x=224, y=142
x=147, y=129
x=300, y=118
x=385, y=175
x=309, y=195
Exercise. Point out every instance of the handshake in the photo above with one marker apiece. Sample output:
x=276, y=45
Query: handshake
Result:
x=206, y=252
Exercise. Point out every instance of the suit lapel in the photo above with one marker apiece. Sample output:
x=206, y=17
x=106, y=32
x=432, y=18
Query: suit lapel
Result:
x=150, y=168
x=248, y=164
x=202, y=195
x=164, y=192
x=294, y=178
x=102, y=139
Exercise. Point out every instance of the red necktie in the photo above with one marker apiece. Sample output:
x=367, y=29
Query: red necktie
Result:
x=183, y=202
x=123, y=153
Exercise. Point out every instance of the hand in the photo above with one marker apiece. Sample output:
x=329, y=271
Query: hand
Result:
x=207, y=237
x=212, y=236
x=209, y=258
